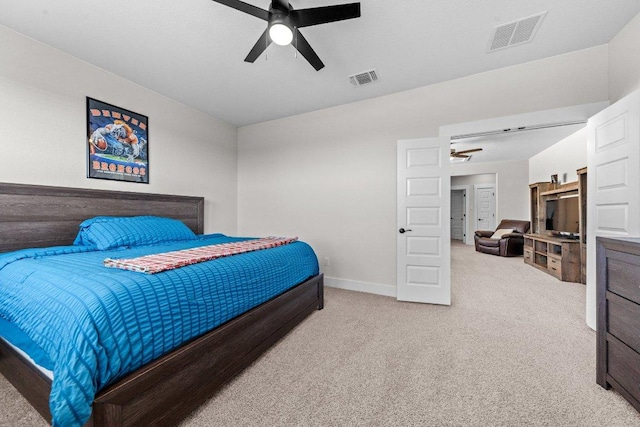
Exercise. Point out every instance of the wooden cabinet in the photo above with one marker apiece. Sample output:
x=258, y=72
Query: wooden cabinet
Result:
x=556, y=256
x=582, y=198
x=537, y=205
x=563, y=258
x=618, y=316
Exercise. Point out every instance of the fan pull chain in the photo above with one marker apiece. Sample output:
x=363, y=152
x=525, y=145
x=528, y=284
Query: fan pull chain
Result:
x=266, y=45
x=295, y=34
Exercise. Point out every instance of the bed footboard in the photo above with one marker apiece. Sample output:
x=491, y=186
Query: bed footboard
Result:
x=170, y=388
x=32, y=384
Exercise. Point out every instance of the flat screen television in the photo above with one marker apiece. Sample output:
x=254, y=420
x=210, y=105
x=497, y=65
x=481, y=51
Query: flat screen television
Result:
x=563, y=215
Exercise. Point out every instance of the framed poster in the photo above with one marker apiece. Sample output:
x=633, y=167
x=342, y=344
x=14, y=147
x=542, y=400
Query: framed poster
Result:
x=117, y=143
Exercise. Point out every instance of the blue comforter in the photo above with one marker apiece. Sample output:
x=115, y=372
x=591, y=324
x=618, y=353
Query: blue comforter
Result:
x=97, y=324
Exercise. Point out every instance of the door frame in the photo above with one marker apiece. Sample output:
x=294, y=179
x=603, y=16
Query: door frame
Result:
x=468, y=240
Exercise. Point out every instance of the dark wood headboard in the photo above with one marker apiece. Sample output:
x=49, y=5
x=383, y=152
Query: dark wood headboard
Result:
x=38, y=216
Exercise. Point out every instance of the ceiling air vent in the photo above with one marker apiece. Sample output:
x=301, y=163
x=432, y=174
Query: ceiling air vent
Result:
x=515, y=33
x=367, y=77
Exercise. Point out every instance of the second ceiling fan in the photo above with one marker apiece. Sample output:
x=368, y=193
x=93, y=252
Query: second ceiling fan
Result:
x=463, y=154
x=284, y=23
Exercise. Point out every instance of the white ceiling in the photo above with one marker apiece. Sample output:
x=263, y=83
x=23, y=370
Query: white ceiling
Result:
x=193, y=50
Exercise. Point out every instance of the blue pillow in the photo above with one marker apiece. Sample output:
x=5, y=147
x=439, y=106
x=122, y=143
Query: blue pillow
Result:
x=108, y=232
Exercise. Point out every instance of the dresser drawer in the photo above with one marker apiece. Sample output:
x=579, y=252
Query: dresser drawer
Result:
x=624, y=321
x=623, y=365
x=528, y=255
x=554, y=267
x=618, y=316
x=623, y=277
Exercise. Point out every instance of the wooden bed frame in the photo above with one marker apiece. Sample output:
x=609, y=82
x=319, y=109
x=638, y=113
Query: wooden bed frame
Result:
x=168, y=389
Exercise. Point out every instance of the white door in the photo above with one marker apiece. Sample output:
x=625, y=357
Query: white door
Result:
x=423, y=242
x=457, y=214
x=613, y=181
x=485, y=201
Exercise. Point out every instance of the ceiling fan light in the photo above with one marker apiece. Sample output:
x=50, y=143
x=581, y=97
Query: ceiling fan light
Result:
x=280, y=34
x=453, y=159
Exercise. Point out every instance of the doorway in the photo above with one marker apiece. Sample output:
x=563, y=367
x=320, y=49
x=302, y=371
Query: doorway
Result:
x=459, y=214
x=468, y=183
x=485, y=211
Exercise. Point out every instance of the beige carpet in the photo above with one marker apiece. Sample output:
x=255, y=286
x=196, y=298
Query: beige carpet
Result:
x=512, y=350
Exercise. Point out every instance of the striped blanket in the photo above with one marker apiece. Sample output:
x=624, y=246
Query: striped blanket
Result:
x=156, y=263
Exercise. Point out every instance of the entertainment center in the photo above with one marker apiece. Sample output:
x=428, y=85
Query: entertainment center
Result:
x=557, y=242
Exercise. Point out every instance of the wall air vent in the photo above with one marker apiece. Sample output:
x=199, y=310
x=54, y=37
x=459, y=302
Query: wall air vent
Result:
x=515, y=33
x=364, y=78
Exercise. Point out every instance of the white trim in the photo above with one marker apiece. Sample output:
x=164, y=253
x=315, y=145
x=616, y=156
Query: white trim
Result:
x=467, y=213
x=352, y=285
x=558, y=115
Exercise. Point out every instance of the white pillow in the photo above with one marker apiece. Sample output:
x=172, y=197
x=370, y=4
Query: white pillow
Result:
x=501, y=232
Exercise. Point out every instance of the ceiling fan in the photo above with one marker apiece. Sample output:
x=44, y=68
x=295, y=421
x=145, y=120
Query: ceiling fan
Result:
x=463, y=154
x=284, y=23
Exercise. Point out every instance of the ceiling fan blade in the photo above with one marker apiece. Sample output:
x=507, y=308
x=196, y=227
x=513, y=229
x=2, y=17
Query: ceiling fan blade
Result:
x=307, y=51
x=473, y=150
x=246, y=8
x=326, y=14
x=458, y=155
x=259, y=47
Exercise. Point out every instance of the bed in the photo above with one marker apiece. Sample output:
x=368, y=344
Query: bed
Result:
x=167, y=389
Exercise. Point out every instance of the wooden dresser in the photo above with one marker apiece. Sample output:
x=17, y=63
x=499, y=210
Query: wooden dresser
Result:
x=618, y=316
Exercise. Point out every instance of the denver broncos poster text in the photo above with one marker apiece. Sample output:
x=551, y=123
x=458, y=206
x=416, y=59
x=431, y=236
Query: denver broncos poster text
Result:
x=118, y=143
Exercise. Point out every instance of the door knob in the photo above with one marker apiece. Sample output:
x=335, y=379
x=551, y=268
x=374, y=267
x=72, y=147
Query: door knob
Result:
x=402, y=230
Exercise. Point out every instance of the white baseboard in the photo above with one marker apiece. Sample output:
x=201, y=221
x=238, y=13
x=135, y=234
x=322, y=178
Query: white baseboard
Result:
x=352, y=285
